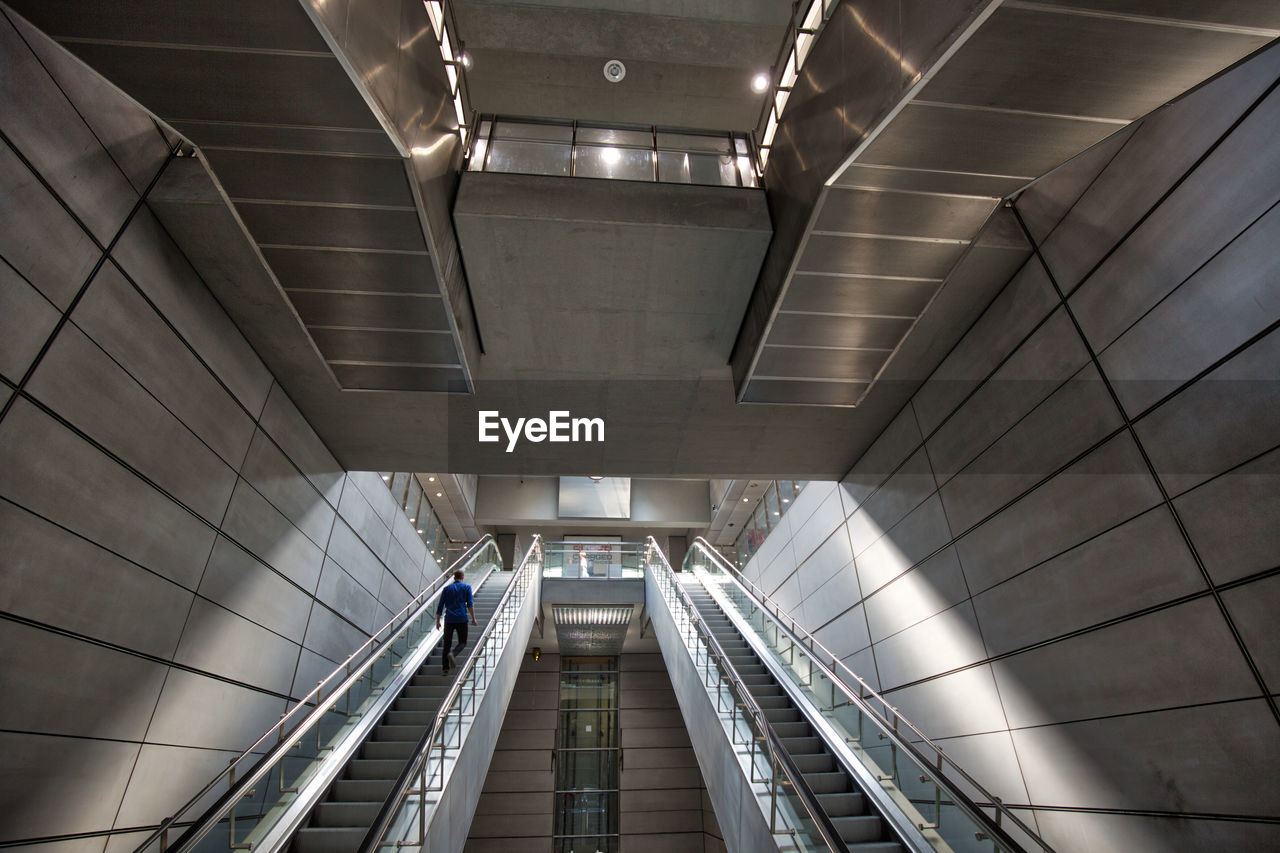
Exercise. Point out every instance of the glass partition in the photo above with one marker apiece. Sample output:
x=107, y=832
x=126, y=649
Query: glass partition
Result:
x=909, y=767
x=619, y=152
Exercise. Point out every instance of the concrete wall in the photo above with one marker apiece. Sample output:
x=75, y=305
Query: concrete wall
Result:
x=1061, y=557
x=181, y=552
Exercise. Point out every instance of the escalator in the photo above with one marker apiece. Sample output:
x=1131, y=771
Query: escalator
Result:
x=804, y=752
x=366, y=760
x=859, y=826
x=340, y=821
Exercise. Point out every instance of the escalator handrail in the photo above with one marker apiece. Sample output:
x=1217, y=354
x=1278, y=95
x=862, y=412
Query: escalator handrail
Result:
x=830, y=835
x=889, y=728
x=370, y=648
x=400, y=790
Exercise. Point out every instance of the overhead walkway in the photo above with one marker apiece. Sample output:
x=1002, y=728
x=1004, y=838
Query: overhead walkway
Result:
x=366, y=760
x=795, y=745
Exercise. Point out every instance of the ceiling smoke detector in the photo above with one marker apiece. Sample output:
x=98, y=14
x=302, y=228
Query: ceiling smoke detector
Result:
x=614, y=71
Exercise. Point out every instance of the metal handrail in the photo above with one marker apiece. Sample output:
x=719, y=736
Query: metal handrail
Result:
x=214, y=813
x=400, y=790
x=830, y=835
x=890, y=728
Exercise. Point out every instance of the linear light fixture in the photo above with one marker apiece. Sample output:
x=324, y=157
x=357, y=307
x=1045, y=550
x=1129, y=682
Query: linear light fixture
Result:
x=591, y=617
x=456, y=61
x=800, y=40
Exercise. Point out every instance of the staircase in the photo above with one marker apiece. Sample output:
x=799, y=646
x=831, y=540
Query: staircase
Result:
x=859, y=826
x=340, y=821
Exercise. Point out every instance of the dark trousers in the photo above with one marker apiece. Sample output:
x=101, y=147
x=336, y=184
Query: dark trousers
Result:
x=450, y=628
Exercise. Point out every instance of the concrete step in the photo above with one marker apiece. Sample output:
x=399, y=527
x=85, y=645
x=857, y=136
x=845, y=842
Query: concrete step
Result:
x=859, y=828
x=328, y=839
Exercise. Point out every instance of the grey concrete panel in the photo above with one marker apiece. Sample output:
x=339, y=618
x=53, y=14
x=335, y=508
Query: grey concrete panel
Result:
x=859, y=211
x=648, y=680
x=55, y=577
x=192, y=712
x=1229, y=190
x=406, y=570
x=350, y=552
x=828, y=253
x=42, y=463
x=1044, y=204
x=218, y=641
x=909, y=486
x=331, y=637
x=1190, y=759
x=129, y=134
x=1023, y=303
x=44, y=773
x=405, y=540
x=931, y=587
x=673, y=777
x=1139, y=564
x=57, y=143
x=963, y=703
x=1178, y=656
x=40, y=239
x=898, y=440
x=319, y=178
x=944, y=642
x=633, y=737
x=1252, y=608
x=1034, y=371
x=392, y=594
x=1106, y=487
x=121, y=688
x=150, y=258
x=831, y=557
x=1111, y=833
x=1231, y=519
x=79, y=382
x=376, y=492
x=119, y=321
x=165, y=778
x=511, y=825
x=788, y=595
x=244, y=585
x=25, y=324
x=861, y=295
x=358, y=512
x=254, y=523
x=1161, y=150
x=1229, y=300
x=814, y=532
x=1075, y=417
x=312, y=669
x=341, y=593
x=831, y=599
x=277, y=480
x=1191, y=437
x=845, y=634
x=902, y=546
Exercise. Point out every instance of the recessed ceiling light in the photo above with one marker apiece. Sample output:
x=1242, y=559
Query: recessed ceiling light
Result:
x=465, y=59
x=431, y=479
x=386, y=478
x=614, y=71
x=419, y=529
x=775, y=512
x=413, y=519
x=760, y=82
x=786, y=500
x=439, y=494
x=746, y=500
x=596, y=477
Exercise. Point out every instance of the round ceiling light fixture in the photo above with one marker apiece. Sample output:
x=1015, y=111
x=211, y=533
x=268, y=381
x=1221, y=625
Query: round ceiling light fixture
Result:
x=760, y=82
x=614, y=71
x=596, y=477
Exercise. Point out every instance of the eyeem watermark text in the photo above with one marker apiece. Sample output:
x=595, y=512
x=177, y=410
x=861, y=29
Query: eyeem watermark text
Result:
x=558, y=427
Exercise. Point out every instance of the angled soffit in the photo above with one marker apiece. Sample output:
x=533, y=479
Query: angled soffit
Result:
x=904, y=134
x=333, y=137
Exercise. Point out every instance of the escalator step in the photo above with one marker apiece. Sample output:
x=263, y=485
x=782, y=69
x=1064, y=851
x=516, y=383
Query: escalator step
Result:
x=409, y=718
x=803, y=745
x=328, y=839
x=345, y=814
x=783, y=715
x=793, y=729
x=859, y=828
x=387, y=732
x=361, y=790
x=847, y=804
x=374, y=769
x=388, y=750
x=413, y=703
x=815, y=762
x=834, y=782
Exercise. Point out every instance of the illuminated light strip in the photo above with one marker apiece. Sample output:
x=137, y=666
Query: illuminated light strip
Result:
x=803, y=38
x=592, y=617
x=454, y=66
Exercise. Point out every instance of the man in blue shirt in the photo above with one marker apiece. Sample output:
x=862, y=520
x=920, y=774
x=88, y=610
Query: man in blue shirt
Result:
x=455, y=603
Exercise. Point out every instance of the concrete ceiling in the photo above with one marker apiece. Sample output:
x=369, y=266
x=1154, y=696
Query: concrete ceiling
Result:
x=689, y=62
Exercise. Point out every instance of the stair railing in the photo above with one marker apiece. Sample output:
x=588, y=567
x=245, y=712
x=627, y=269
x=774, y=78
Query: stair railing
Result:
x=425, y=774
x=809, y=827
x=815, y=665
x=310, y=732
